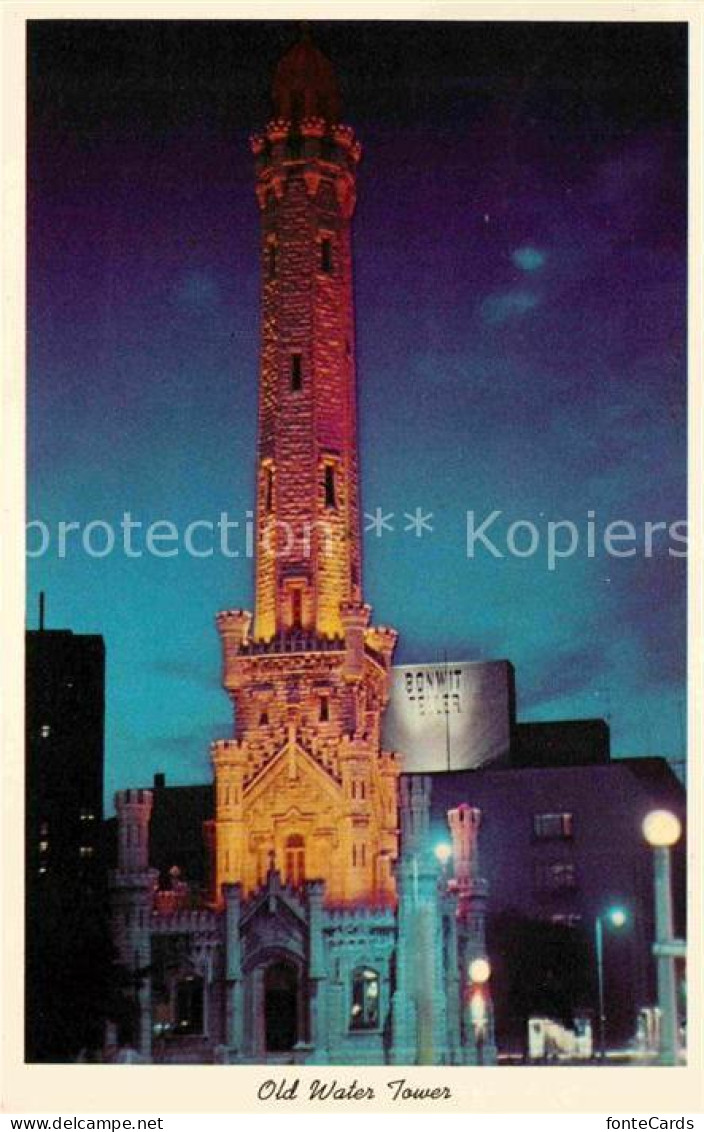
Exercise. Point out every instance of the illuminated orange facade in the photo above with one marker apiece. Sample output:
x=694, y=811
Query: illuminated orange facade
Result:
x=329, y=935
x=304, y=785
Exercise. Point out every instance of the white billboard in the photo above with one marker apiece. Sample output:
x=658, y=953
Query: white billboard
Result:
x=453, y=715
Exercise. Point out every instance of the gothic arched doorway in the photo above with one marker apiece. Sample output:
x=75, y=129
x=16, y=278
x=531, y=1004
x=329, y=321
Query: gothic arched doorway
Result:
x=281, y=1007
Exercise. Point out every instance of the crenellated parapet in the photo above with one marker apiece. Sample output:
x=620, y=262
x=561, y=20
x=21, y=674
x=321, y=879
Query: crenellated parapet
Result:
x=292, y=641
x=368, y=917
x=313, y=127
x=277, y=130
x=188, y=921
x=314, y=149
x=228, y=752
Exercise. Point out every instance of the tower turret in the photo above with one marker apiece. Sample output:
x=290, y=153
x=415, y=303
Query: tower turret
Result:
x=134, y=809
x=132, y=886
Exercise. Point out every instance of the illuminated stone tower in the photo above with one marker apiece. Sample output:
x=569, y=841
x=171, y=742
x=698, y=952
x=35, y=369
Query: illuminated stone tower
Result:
x=308, y=559
x=303, y=785
x=330, y=935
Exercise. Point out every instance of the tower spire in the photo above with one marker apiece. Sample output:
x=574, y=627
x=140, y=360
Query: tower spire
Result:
x=305, y=84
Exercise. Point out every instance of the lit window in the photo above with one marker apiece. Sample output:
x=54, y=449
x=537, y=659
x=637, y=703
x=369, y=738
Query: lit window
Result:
x=566, y=919
x=87, y=814
x=189, y=1006
x=330, y=500
x=296, y=608
x=43, y=846
x=269, y=488
x=326, y=255
x=42, y=870
x=364, y=1014
x=86, y=851
x=296, y=372
x=295, y=860
x=43, y=829
x=557, y=877
x=46, y=731
x=553, y=826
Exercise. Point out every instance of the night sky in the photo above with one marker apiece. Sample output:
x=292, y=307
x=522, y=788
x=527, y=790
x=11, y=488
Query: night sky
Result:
x=520, y=246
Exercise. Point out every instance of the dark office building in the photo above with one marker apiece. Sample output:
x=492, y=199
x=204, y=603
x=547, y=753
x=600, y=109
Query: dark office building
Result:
x=565, y=742
x=65, y=709
x=561, y=844
x=65, y=948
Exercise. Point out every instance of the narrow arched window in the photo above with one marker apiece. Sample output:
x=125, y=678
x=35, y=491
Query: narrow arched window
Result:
x=269, y=489
x=297, y=608
x=324, y=709
x=295, y=860
x=271, y=260
x=326, y=255
x=297, y=105
x=296, y=372
x=330, y=497
x=364, y=1012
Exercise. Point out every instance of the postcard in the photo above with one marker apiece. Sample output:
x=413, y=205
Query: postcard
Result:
x=357, y=539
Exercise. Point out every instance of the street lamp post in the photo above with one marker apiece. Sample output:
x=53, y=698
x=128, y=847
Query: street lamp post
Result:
x=443, y=852
x=662, y=830
x=617, y=917
x=479, y=975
